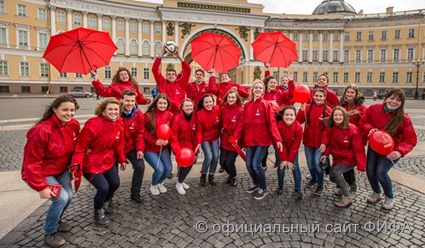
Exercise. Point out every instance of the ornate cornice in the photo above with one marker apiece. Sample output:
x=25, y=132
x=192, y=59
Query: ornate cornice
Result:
x=306, y=23
x=213, y=7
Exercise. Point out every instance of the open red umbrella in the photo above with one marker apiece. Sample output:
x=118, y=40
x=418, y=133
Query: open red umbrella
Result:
x=80, y=50
x=215, y=51
x=275, y=48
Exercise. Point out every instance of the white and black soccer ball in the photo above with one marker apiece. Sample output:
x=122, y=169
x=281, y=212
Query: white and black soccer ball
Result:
x=170, y=47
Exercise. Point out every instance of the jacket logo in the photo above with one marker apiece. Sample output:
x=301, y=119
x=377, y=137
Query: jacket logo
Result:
x=132, y=126
x=75, y=136
x=194, y=127
x=234, y=119
x=258, y=112
x=118, y=135
x=177, y=92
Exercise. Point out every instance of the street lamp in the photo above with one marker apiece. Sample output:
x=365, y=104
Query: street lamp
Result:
x=418, y=63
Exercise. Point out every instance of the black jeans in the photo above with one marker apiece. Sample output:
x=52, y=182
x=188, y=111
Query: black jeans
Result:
x=106, y=184
x=138, y=173
x=227, y=161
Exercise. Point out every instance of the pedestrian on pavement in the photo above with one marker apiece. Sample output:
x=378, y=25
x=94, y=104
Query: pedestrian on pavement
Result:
x=184, y=136
x=121, y=81
x=313, y=115
x=344, y=142
x=291, y=132
x=154, y=92
x=174, y=87
x=221, y=89
x=231, y=118
x=198, y=88
x=99, y=151
x=47, y=153
x=208, y=124
x=134, y=120
x=388, y=116
x=157, y=152
x=375, y=95
x=259, y=131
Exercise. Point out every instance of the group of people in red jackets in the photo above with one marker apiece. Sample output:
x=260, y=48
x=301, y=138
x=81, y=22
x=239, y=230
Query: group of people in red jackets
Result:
x=212, y=117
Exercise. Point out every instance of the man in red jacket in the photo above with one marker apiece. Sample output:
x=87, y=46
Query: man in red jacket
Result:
x=198, y=88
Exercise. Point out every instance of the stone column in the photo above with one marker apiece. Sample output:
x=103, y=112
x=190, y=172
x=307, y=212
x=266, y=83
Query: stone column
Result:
x=176, y=31
x=300, y=48
x=69, y=19
x=251, y=39
x=152, y=38
x=341, y=47
x=127, y=36
x=139, y=37
x=114, y=30
x=320, y=46
x=310, y=47
x=331, y=49
x=85, y=13
x=52, y=20
x=99, y=21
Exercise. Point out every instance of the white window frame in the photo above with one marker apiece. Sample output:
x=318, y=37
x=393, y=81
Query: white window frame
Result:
x=24, y=69
x=133, y=47
x=382, y=77
x=120, y=25
x=4, y=68
x=2, y=7
x=395, y=77
x=146, y=73
x=396, y=54
x=133, y=71
x=42, y=44
x=145, y=27
x=108, y=72
x=76, y=19
x=409, y=77
x=133, y=27
x=158, y=28
x=44, y=70
x=370, y=53
x=21, y=10
x=145, y=48
x=106, y=23
x=61, y=17
x=158, y=47
x=346, y=77
x=121, y=45
x=410, y=53
x=383, y=54
x=42, y=14
x=369, y=77
x=92, y=22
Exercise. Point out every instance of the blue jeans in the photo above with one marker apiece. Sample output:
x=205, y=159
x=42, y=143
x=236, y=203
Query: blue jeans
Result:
x=210, y=149
x=227, y=161
x=377, y=167
x=254, y=156
x=60, y=204
x=161, y=164
x=313, y=154
x=296, y=173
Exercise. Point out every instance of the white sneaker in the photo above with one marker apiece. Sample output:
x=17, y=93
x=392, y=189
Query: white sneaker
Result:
x=162, y=188
x=154, y=190
x=180, y=189
x=308, y=176
x=185, y=186
x=326, y=178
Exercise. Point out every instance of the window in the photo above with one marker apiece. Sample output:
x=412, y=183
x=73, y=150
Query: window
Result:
x=335, y=54
x=305, y=38
x=409, y=77
x=315, y=76
x=61, y=16
x=78, y=75
x=25, y=69
x=358, y=36
x=395, y=77
x=3, y=36
x=305, y=54
x=63, y=89
x=4, y=89
x=396, y=54
x=358, y=55
x=347, y=36
x=133, y=47
x=295, y=36
x=25, y=89
x=145, y=48
x=383, y=54
x=106, y=23
x=133, y=27
x=345, y=77
x=146, y=73
x=315, y=54
x=146, y=90
x=276, y=74
x=295, y=76
x=120, y=25
x=44, y=89
x=120, y=45
x=410, y=52
x=325, y=36
x=42, y=14
x=371, y=35
x=22, y=10
x=42, y=40
x=77, y=19
x=44, y=70
x=23, y=37
x=397, y=34
x=369, y=77
x=335, y=77
x=2, y=10
x=107, y=72
x=134, y=72
x=158, y=48
x=157, y=28
x=383, y=35
x=315, y=37
x=305, y=76
x=92, y=22
x=3, y=68
x=325, y=55
x=346, y=55
x=370, y=55
x=382, y=77
x=63, y=75
x=411, y=33
x=357, y=77
x=146, y=27
x=336, y=36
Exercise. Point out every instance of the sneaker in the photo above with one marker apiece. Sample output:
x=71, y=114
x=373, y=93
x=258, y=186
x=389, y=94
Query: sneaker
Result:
x=346, y=201
x=180, y=189
x=308, y=177
x=162, y=188
x=319, y=191
x=64, y=227
x=374, y=198
x=261, y=193
x=185, y=186
x=311, y=183
x=228, y=179
x=297, y=195
x=154, y=190
x=326, y=178
x=54, y=240
x=252, y=189
x=234, y=182
x=388, y=204
x=279, y=190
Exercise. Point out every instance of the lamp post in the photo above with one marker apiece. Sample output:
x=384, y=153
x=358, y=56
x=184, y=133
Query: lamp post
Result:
x=417, y=63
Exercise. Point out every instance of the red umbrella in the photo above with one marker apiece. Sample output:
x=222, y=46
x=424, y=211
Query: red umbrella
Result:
x=80, y=50
x=78, y=175
x=214, y=51
x=275, y=48
x=235, y=145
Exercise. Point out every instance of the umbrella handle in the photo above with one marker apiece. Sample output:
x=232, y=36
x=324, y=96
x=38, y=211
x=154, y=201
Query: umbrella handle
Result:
x=85, y=56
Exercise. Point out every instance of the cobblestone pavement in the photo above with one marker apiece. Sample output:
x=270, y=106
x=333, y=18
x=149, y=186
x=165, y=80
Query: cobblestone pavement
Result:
x=412, y=165
x=11, y=149
x=170, y=220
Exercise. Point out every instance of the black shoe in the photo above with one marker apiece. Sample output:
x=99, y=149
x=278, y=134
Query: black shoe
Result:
x=221, y=170
x=233, y=182
x=252, y=189
x=228, y=180
x=136, y=198
x=319, y=191
x=211, y=180
x=311, y=183
x=279, y=190
x=261, y=193
x=275, y=164
x=203, y=180
x=353, y=187
x=54, y=240
x=100, y=218
x=109, y=208
x=297, y=195
x=170, y=176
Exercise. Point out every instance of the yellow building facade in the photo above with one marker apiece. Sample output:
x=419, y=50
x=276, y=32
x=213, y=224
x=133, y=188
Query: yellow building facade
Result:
x=374, y=51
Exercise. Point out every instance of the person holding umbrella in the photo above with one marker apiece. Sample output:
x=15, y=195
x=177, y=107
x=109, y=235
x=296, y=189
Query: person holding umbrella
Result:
x=121, y=81
x=388, y=116
x=47, y=154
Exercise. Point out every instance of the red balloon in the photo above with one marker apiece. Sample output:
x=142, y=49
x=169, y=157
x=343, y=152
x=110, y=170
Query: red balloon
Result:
x=185, y=157
x=381, y=142
x=163, y=132
x=301, y=93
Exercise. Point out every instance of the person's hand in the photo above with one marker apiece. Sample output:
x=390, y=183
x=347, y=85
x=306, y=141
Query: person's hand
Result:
x=88, y=151
x=322, y=158
x=290, y=76
x=267, y=65
x=197, y=148
x=140, y=155
x=94, y=75
x=372, y=131
x=46, y=194
x=302, y=107
x=123, y=166
x=282, y=164
x=148, y=101
x=322, y=148
x=211, y=72
x=161, y=142
x=279, y=146
x=289, y=166
x=394, y=155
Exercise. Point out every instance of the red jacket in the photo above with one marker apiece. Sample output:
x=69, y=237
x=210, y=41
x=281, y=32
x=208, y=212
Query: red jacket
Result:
x=346, y=146
x=184, y=133
x=115, y=90
x=291, y=140
x=282, y=96
x=331, y=97
x=105, y=139
x=196, y=91
x=175, y=91
x=259, y=124
x=220, y=90
x=375, y=116
x=314, y=129
x=208, y=124
x=231, y=118
x=354, y=114
x=134, y=127
x=48, y=150
x=161, y=117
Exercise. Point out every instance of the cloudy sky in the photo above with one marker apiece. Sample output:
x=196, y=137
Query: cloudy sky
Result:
x=307, y=6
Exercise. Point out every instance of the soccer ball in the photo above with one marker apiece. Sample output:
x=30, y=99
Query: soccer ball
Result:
x=170, y=47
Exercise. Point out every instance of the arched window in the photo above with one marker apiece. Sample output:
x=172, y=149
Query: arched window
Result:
x=120, y=45
x=146, y=48
x=157, y=48
x=133, y=47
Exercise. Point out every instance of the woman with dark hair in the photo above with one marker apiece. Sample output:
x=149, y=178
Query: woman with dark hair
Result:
x=388, y=116
x=47, y=154
x=283, y=92
x=344, y=142
x=322, y=83
x=222, y=88
x=104, y=137
x=156, y=152
x=121, y=81
x=208, y=124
